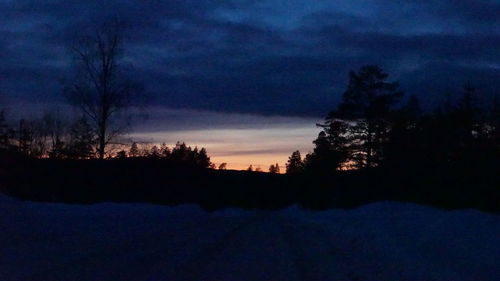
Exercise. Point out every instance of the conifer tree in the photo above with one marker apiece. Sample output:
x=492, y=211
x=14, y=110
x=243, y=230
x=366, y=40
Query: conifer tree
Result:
x=82, y=140
x=365, y=110
x=202, y=159
x=294, y=164
x=154, y=152
x=134, y=150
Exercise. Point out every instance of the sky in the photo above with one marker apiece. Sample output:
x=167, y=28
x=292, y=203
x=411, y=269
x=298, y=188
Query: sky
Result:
x=238, y=139
x=241, y=58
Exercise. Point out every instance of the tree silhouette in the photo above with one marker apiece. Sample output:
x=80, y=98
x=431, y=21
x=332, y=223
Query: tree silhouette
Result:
x=274, y=169
x=294, y=164
x=25, y=137
x=134, y=150
x=325, y=156
x=58, y=150
x=82, y=140
x=223, y=166
x=145, y=150
x=180, y=152
x=469, y=113
x=101, y=89
x=192, y=155
x=164, y=151
x=365, y=111
x=405, y=137
x=202, y=159
x=6, y=132
x=154, y=152
x=122, y=154
x=331, y=147
x=54, y=128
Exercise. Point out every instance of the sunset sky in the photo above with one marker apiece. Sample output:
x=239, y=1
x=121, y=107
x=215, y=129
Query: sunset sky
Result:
x=237, y=139
x=249, y=79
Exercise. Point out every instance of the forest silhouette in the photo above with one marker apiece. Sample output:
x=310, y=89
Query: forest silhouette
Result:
x=376, y=145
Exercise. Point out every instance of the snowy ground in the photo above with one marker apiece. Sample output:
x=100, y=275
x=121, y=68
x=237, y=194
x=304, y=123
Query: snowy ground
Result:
x=382, y=241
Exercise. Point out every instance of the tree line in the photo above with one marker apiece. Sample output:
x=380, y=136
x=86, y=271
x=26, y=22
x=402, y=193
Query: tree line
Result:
x=180, y=153
x=273, y=169
x=52, y=137
x=48, y=137
x=372, y=127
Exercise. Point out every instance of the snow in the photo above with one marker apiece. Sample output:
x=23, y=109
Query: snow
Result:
x=381, y=241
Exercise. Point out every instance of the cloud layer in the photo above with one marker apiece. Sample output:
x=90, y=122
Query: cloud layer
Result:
x=267, y=57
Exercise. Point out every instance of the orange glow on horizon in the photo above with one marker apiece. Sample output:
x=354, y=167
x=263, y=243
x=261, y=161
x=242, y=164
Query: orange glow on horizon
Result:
x=240, y=148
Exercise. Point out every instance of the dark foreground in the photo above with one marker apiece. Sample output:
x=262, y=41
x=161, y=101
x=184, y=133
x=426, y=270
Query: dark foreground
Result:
x=161, y=182
x=132, y=241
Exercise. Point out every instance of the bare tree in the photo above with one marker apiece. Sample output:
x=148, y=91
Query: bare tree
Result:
x=101, y=89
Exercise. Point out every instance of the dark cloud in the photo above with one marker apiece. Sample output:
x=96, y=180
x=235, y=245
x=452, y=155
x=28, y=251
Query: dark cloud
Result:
x=267, y=57
x=481, y=13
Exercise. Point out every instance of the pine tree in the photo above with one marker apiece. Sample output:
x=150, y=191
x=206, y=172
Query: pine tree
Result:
x=134, y=150
x=325, y=157
x=180, y=152
x=82, y=140
x=202, y=159
x=154, y=152
x=164, y=151
x=366, y=109
x=404, y=145
x=294, y=164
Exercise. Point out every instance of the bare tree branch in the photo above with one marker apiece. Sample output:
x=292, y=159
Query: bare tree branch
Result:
x=101, y=90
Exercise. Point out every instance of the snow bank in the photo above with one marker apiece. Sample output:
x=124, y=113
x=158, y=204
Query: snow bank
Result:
x=382, y=241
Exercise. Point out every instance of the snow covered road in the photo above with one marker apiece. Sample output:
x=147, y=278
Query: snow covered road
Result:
x=382, y=241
